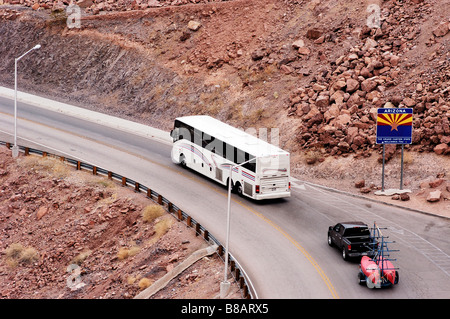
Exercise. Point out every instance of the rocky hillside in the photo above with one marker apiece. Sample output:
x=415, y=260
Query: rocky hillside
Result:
x=317, y=70
x=313, y=68
x=67, y=234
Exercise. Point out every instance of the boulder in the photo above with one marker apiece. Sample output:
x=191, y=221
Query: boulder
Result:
x=352, y=85
x=298, y=44
x=360, y=184
x=194, y=25
x=442, y=29
x=436, y=183
x=441, y=149
x=368, y=85
x=434, y=196
x=42, y=211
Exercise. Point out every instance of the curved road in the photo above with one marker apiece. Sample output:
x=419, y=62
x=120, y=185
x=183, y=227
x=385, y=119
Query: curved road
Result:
x=281, y=244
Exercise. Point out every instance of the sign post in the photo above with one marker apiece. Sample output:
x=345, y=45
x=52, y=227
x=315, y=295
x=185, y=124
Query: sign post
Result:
x=394, y=126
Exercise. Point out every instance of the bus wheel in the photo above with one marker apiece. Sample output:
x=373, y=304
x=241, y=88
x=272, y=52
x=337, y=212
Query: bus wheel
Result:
x=182, y=161
x=232, y=185
x=238, y=188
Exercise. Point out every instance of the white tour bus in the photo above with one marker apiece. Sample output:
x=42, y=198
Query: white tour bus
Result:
x=210, y=146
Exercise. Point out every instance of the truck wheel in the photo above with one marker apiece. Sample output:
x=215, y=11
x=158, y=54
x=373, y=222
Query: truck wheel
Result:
x=330, y=241
x=344, y=254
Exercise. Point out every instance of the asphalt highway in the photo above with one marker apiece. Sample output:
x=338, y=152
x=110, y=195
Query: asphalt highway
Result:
x=282, y=243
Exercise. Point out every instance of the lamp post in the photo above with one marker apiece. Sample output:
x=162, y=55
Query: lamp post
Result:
x=225, y=285
x=15, y=149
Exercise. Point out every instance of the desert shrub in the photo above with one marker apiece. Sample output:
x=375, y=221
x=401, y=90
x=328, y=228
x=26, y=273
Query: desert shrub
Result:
x=17, y=253
x=125, y=252
x=144, y=283
x=150, y=213
x=311, y=157
x=163, y=226
x=81, y=257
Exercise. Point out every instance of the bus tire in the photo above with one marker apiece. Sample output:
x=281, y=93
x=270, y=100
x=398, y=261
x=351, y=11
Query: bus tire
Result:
x=183, y=161
x=232, y=185
x=238, y=189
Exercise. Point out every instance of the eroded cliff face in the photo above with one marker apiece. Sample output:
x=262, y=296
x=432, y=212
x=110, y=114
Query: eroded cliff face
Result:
x=315, y=70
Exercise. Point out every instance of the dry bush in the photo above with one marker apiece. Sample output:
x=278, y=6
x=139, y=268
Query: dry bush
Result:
x=163, y=226
x=124, y=252
x=81, y=257
x=150, y=213
x=312, y=157
x=48, y=165
x=144, y=283
x=16, y=253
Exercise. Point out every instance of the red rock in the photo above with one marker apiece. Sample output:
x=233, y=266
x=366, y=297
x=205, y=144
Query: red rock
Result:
x=304, y=51
x=42, y=211
x=360, y=184
x=352, y=85
x=436, y=183
x=442, y=29
x=409, y=102
x=434, y=196
x=313, y=34
x=368, y=85
x=441, y=149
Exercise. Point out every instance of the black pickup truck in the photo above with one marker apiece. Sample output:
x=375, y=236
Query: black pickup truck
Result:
x=352, y=238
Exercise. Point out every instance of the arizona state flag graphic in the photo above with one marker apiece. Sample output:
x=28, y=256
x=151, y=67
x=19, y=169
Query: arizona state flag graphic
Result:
x=394, y=126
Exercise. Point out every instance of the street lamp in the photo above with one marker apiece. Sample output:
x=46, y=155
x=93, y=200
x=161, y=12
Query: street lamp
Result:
x=15, y=149
x=225, y=285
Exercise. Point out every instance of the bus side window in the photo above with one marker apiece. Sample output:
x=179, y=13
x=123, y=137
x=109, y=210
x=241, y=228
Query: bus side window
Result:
x=229, y=152
x=208, y=140
x=240, y=156
x=197, y=137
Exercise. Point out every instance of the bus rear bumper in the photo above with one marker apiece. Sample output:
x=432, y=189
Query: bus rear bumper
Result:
x=272, y=195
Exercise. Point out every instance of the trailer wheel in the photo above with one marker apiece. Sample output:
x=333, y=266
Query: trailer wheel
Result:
x=397, y=277
x=361, y=278
x=369, y=283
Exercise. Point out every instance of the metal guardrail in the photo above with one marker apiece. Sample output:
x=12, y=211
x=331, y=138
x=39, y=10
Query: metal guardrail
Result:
x=236, y=270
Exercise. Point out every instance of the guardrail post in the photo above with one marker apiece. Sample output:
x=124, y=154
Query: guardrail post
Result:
x=220, y=250
x=180, y=215
x=241, y=282
x=78, y=165
x=197, y=229
x=206, y=235
x=8, y=145
x=169, y=207
x=44, y=154
x=189, y=221
x=124, y=181
x=27, y=151
x=109, y=175
x=149, y=193
x=61, y=158
x=136, y=187
x=94, y=170
x=245, y=293
x=159, y=199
